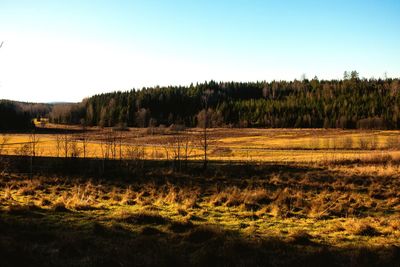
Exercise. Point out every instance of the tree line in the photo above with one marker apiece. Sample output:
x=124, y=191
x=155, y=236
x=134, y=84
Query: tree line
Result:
x=348, y=103
x=18, y=116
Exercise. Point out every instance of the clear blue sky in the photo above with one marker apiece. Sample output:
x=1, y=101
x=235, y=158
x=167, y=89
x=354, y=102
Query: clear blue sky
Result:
x=67, y=50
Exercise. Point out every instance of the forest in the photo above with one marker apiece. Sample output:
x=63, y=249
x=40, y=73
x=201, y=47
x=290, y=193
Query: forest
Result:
x=349, y=103
x=13, y=117
x=17, y=116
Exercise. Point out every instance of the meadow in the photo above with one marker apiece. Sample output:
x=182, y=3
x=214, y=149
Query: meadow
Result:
x=246, y=145
x=269, y=197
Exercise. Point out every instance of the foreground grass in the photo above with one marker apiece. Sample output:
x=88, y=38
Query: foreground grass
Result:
x=230, y=216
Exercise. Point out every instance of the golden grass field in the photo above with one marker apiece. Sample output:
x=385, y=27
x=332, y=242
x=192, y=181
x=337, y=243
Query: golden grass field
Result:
x=280, y=197
x=261, y=145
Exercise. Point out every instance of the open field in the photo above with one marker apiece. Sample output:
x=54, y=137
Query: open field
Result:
x=268, y=198
x=263, y=145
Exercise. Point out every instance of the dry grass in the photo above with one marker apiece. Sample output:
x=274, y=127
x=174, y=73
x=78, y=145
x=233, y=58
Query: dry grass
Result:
x=334, y=197
x=262, y=145
x=266, y=203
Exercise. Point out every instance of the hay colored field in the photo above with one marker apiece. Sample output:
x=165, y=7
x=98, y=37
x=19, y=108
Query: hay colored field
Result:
x=263, y=145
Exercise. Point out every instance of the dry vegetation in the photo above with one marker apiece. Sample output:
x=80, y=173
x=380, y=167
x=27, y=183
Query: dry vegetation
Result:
x=305, y=213
x=234, y=215
x=260, y=145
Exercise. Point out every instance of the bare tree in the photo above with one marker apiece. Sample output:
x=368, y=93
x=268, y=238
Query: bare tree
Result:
x=58, y=144
x=204, y=143
x=84, y=141
x=181, y=147
x=108, y=145
x=135, y=152
x=74, y=149
x=111, y=145
x=120, y=137
x=65, y=143
x=84, y=137
x=33, y=144
x=175, y=143
x=103, y=149
x=188, y=147
x=33, y=148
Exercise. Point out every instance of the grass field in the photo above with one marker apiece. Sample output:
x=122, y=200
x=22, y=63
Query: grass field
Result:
x=277, y=198
x=263, y=145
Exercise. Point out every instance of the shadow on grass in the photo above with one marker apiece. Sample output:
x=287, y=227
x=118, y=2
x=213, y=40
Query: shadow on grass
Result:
x=40, y=130
x=56, y=239
x=219, y=173
x=109, y=168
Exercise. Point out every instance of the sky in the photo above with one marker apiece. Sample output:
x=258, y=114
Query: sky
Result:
x=64, y=51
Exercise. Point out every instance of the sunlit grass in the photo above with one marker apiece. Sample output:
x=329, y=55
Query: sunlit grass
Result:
x=262, y=145
x=341, y=217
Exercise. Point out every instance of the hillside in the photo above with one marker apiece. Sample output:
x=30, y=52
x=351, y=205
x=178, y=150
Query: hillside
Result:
x=348, y=103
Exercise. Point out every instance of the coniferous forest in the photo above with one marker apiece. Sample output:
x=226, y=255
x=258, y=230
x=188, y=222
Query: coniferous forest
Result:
x=17, y=116
x=348, y=103
x=13, y=117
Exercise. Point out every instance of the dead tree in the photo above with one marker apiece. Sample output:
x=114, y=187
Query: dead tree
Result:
x=33, y=149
